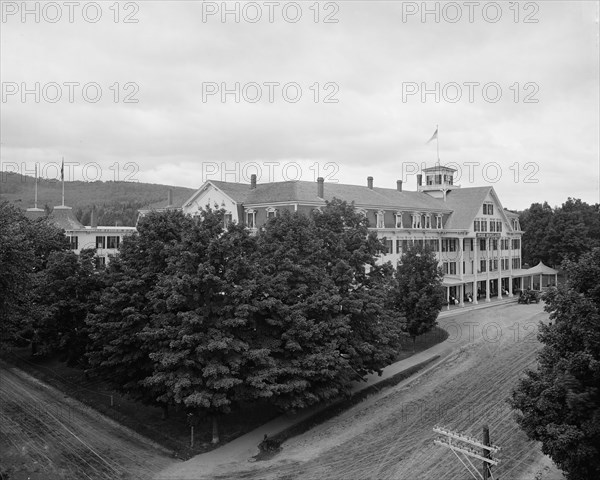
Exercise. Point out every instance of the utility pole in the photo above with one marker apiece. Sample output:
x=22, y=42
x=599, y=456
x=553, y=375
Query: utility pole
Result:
x=486, y=452
x=461, y=444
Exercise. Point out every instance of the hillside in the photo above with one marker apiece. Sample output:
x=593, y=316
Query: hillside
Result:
x=117, y=202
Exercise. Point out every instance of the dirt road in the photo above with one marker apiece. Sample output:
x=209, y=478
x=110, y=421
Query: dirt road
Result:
x=390, y=435
x=44, y=435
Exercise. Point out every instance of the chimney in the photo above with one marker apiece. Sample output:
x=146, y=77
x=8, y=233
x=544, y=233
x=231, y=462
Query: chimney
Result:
x=170, y=198
x=94, y=218
x=320, y=187
x=419, y=180
x=399, y=185
x=253, y=181
x=370, y=182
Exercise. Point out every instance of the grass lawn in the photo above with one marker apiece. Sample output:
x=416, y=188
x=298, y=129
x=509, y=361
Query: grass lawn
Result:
x=174, y=432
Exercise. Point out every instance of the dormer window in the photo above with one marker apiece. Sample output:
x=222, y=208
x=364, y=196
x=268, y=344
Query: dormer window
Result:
x=271, y=212
x=399, y=220
x=438, y=221
x=251, y=218
x=416, y=220
x=380, y=219
x=427, y=220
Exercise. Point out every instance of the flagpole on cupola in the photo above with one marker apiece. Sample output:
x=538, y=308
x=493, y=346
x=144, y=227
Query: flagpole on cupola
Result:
x=437, y=143
x=62, y=176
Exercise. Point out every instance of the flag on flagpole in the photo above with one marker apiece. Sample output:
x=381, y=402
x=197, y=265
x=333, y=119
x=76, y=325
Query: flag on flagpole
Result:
x=62, y=169
x=434, y=136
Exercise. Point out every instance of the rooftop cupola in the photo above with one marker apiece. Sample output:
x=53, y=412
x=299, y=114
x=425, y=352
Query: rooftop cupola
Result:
x=438, y=181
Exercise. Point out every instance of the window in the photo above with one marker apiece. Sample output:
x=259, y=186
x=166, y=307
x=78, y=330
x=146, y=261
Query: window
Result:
x=438, y=221
x=516, y=243
x=433, y=244
x=389, y=245
x=492, y=226
x=227, y=219
x=100, y=262
x=112, y=242
x=498, y=226
x=448, y=244
x=488, y=208
x=416, y=220
x=100, y=242
x=251, y=219
x=271, y=212
x=482, y=265
x=427, y=220
x=495, y=264
x=504, y=264
x=399, y=220
x=438, y=179
x=484, y=225
x=477, y=226
x=468, y=242
x=380, y=219
x=516, y=263
x=429, y=179
x=398, y=246
x=452, y=268
x=482, y=246
x=73, y=242
x=494, y=244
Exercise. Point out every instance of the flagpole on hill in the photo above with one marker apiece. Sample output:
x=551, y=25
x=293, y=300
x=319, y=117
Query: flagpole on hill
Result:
x=36, y=186
x=62, y=177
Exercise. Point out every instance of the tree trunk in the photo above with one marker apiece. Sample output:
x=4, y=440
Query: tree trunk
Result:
x=414, y=342
x=215, y=429
x=165, y=412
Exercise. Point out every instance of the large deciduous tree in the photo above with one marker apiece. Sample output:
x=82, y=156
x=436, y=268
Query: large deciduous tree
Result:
x=117, y=352
x=419, y=293
x=25, y=247
x=64, y=293
x=559, y=402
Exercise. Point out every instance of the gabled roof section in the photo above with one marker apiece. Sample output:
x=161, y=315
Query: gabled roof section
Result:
x=465, y=203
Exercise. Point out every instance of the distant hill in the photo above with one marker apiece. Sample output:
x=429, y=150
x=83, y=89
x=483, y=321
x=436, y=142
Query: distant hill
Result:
x=116, y=202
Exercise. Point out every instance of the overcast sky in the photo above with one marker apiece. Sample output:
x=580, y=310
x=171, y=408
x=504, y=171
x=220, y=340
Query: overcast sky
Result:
x=168, y=92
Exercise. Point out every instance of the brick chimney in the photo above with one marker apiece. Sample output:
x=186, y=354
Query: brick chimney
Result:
x=94, y=218
x=320, y=187
x=419, y=180
x=253, y=181
x=370, y=182
x=399, y=185
x=170, y=197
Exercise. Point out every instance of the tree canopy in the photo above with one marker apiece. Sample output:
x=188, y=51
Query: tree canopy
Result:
x=559, y=403
x=563, y=233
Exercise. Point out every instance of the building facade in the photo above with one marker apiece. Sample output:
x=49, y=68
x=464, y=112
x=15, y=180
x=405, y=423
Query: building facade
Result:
x=477, y=242
x=105, y=239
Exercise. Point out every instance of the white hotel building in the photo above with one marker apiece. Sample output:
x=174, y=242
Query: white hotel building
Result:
x=478, y=242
